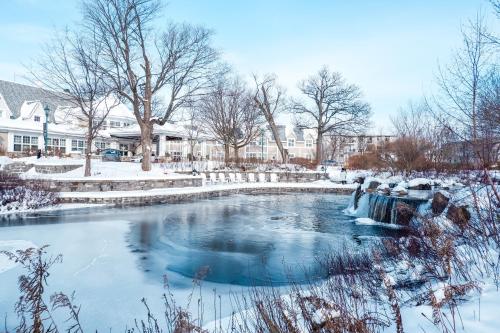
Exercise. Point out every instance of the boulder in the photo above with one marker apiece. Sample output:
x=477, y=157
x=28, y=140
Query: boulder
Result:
x=420, y=184
x=404, y=213
x=421, y=187
x=439, y=203
x=373, y=185
x=459, y=215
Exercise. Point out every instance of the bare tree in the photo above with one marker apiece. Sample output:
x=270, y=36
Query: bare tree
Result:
x=194, y=129
x=462, y=83
x=144, y=67
x=331, y=106
x=231, y=115
x=69, y=66
x=496, y=6
x=334, y=144
x=269, y=98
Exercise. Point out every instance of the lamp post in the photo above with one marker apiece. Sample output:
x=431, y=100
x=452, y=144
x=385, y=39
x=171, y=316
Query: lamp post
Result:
x=46, y=128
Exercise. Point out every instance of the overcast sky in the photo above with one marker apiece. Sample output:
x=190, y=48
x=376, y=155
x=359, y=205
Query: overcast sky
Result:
x=389, y=48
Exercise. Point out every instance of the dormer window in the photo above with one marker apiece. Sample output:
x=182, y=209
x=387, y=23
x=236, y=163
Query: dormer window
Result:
x=309, y=143
x=291, y=142
x=36, y=118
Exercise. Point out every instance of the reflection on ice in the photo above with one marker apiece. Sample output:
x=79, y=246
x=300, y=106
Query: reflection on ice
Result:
x=246, y=240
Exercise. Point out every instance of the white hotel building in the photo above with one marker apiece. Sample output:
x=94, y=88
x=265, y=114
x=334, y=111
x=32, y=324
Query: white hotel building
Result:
x=22, y=119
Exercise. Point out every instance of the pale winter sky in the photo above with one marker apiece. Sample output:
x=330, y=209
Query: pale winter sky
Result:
x=389, y=48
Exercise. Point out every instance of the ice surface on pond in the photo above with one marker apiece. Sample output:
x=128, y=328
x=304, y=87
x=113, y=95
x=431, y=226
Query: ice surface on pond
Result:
x=115, y=257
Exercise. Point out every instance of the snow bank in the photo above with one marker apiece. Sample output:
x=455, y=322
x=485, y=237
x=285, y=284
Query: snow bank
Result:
x=369, y=221
x=419, y=181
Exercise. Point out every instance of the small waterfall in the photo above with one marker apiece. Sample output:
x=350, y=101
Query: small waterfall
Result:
x=382, y=208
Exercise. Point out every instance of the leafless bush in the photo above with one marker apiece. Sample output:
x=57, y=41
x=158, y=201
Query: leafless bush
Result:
x=33, y=312
x=16, y=193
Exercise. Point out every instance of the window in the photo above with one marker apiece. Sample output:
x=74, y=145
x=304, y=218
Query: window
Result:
x=101, y=145
x=176, y=155
x=123, y=149
x=77, y=146
x=17, y=142
x=251, y=155
x=56, y=145
x=25, y=143
x=291, y=155
x=37, y=118
x=291, y=142
x=114, y=124
x=309, y=143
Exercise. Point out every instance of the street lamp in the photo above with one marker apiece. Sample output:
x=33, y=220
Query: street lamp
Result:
x=46, y=128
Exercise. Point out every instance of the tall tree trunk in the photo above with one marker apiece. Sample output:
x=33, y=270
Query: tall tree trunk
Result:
x=319, y=148
x=236, y=154
x=88, y=151
x=146, y=131
x=226, y=153
x=276, y=135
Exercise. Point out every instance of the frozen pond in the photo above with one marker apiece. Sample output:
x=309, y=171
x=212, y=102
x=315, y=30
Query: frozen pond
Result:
x=113, y=257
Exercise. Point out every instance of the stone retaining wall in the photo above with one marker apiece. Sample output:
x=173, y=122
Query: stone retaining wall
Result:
x=17, y=167
x=103, y=185
x=182, y=197
x=51, y=169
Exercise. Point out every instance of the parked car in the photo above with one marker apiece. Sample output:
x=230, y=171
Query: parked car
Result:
x=111, y=155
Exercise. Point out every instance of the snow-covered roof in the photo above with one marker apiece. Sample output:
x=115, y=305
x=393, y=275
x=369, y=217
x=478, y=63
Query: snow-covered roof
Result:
x=30, y=108
x=37, y=128
x=169, y=129
x=117, y=109
x=16, y=94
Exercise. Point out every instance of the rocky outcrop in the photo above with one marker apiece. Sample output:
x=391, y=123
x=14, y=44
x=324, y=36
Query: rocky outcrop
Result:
x=459, y=215
x=439, y=203
x=404, y=213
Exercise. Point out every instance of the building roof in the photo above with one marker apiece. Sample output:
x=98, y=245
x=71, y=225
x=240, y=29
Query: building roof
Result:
x=134, y=130
x=299, y=134
x=30, y=126
x=16, y=94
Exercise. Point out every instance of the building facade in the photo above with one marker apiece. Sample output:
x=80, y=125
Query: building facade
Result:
x=22, y=119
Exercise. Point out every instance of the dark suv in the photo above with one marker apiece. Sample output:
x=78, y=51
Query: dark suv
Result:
x=112, y=155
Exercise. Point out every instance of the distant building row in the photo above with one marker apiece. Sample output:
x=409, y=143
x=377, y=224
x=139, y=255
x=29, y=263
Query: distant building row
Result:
x=21, y=133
